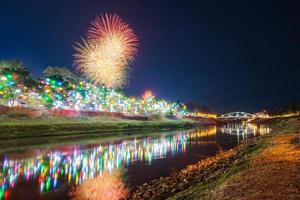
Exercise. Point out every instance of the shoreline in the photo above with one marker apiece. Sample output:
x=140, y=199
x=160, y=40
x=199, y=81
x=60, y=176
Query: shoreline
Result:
x=16, y=145
x=208, y=178
x=19, y=134
x=59, y=126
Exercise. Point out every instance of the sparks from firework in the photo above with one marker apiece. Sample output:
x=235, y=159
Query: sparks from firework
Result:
x=105, y=56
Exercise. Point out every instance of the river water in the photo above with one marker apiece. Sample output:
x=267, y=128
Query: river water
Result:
x=112, y=168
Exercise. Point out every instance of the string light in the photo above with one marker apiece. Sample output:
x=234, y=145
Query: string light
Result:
x=86, y=96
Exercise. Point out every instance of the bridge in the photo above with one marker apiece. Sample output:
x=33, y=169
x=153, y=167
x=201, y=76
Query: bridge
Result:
x=237, y=116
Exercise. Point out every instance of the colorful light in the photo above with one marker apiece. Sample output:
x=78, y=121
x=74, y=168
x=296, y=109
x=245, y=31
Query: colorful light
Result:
x=147, y=94
x=78, y=166
x=105, y=55
x=90, y=97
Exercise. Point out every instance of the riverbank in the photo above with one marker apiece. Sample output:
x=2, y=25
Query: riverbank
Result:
x=267, y=167
x=22, y=133
x=58, y=126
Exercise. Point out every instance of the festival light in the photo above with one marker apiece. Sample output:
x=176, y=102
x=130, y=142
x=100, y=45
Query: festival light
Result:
x=147, y=94
x=13, y=92
x=204, y=115
x=90, y=97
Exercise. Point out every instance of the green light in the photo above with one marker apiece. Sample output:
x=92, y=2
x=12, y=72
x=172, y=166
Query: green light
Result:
x=9, y=76
x=1, y=193
x=48, y=184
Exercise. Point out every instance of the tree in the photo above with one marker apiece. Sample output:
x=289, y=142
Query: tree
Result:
x=58, y=81
x=15, y=80
x=62, y=74
x=291, y=108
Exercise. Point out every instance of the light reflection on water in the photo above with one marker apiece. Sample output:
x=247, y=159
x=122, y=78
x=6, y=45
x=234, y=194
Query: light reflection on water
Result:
x=245, y=130
x=75, y=166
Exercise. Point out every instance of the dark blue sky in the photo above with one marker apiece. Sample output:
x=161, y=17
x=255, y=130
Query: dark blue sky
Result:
x=228, y=55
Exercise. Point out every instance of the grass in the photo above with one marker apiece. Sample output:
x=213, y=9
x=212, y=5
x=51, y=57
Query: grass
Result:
x=202, y=190
x=19, y=133
x=58, y=126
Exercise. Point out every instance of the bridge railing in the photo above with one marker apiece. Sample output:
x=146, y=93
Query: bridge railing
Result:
x=237, y=115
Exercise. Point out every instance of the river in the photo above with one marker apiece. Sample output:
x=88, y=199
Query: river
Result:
x=112, y=168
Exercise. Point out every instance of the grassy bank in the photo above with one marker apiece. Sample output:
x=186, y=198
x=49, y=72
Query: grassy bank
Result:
x=19, y=133
x=11, y=128
x=260, y=168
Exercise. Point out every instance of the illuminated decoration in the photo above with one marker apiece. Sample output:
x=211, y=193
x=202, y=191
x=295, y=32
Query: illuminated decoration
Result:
x=76, y=166
x=89, y=97
x=237, y=115
x=105, y=56
x=8, y=87
x=262, y=115
x=204, y=115
x=147, y=94
x=13, y=92
x=283, y=115
x=85, y=96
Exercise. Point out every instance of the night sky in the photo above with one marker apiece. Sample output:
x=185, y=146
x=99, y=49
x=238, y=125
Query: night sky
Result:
x=228, y=55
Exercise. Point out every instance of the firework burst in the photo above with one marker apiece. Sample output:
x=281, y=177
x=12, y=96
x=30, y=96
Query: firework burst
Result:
x=105, y=55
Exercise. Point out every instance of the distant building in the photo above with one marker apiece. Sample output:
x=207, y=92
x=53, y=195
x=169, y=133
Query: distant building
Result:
x=262, y=114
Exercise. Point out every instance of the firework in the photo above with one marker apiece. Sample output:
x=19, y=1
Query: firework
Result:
x=105, y=55
x=98, y=66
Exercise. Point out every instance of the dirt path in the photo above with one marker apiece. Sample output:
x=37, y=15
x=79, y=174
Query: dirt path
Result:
x=273, y=174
